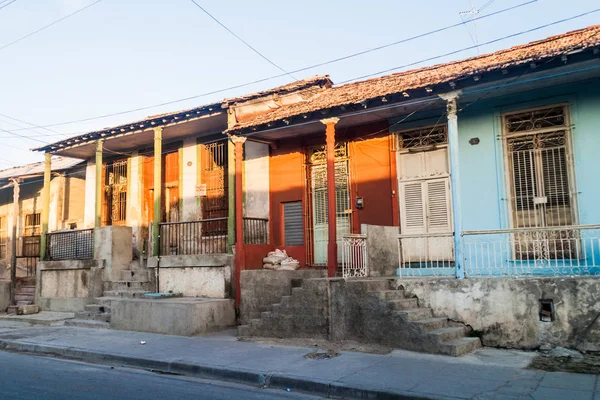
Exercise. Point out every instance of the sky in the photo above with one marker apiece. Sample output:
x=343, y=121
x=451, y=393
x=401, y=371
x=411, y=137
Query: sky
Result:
x=121, y=55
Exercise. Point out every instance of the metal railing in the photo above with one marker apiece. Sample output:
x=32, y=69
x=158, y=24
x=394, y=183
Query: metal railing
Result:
x=558, y=251
x=429, y=254
x=70, y=245
x=207, y=236
x=256, y=230
x=354, y=256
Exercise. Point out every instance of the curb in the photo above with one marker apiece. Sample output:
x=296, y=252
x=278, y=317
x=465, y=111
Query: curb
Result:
x=227, y=374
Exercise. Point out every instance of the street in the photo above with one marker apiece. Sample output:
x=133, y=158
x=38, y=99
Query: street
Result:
x=31, y=377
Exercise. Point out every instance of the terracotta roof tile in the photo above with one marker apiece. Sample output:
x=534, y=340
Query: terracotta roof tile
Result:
x=357, y=92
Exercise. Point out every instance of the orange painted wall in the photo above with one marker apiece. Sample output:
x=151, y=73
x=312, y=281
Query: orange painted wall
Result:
x=372, y=170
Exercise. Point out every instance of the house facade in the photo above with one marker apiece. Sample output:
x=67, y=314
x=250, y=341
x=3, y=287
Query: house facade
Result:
x=478, y=168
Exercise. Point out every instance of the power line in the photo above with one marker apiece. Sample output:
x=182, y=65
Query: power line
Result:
x=34, y=125
x=472, y=47
x=49, y=25
x=6, y=4
x=439, y=30
x=242, y=40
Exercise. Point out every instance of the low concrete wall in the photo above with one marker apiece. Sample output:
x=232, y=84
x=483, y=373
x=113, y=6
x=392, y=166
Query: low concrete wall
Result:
x=68, y=285
x=507, y=311
x=206, y=275
x=263, y=288
x=382, y=249
x=114, y=245
x=182, y=316
x=4, y=295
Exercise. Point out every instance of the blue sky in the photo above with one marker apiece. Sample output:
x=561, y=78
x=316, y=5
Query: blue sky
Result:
x=121, y=55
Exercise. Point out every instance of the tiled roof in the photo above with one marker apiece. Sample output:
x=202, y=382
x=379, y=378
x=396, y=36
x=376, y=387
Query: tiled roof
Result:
x=182, y=115
x=357, y=92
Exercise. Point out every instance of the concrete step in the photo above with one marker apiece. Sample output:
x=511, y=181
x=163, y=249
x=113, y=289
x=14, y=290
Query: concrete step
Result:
x=431, y=324
x=388, y=295
x=25, y=290
x=97, y=308
x=266, y=314
x=415, y=314
x=254, y=315
x=24, y=297
x=373, y=285
x=135, y=275
x=405, y=304
x=448, y=334
x=85, y=323
x=244, y=330
x=128, y=294
x=24, y=303
x=93, y=316
x=125, y=285
x=459, y=347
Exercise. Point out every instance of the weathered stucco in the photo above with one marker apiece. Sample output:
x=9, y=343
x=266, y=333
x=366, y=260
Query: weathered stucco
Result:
x=113, y=244
x=4, y=295
x=213, y=282
x=204, y=275
x=68, y=285
x=507, y=311
x=382, y=249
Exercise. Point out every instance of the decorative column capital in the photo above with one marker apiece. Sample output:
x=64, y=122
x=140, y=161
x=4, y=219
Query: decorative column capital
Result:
x=158, y=129
x=450, y=98
x=238, y=139
x=332, y=120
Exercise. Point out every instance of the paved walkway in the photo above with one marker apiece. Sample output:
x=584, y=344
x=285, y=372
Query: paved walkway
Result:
x=485, y=374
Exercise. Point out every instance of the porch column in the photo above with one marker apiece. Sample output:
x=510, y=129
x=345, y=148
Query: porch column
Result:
x=13, y=251
x=455, y=181
x=238, y=141
x=331, y=209
x=98, y=204
x=157, y=190
x=45, y=205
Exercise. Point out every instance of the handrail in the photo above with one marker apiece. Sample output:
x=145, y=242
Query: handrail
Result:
x=533, y=228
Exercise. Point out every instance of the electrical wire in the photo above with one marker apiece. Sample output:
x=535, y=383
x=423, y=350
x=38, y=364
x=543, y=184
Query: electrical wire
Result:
x=439, y=30
x=242, y=40
x=48, y=26
x=6, y=4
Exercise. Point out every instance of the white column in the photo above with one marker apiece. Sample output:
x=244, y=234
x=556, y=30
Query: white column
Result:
x=190, y=209
x=89, y=211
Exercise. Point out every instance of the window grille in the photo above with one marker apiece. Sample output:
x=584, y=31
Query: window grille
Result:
x=33, y=224
x=115, y=193
x=539, y=181
x=215, y=204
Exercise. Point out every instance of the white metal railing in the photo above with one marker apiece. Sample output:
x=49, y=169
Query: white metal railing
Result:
x=430, y=254
x=354, y=256
x=558, y=251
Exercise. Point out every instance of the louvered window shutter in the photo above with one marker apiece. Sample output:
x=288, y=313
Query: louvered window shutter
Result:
x=438, y=206
x=412, y=208
x=292, y=221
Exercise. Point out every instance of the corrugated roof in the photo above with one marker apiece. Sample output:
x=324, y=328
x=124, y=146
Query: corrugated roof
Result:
x=357, y=92
x=58, y=164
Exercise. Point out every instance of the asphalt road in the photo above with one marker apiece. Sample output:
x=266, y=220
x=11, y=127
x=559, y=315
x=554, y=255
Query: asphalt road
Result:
x=25, y=376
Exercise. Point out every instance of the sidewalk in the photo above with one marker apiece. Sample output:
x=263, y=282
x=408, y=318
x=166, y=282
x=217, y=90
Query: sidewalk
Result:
x=486, y=374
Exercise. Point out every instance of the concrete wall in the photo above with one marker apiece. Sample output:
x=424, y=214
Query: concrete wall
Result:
x=4, y=295
x=263, y=288
x=113, y=244
x=68, y=285
x=186, y=317
x=507, y=311
x=382, y=249
x=190, y=204
x=207, y=275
